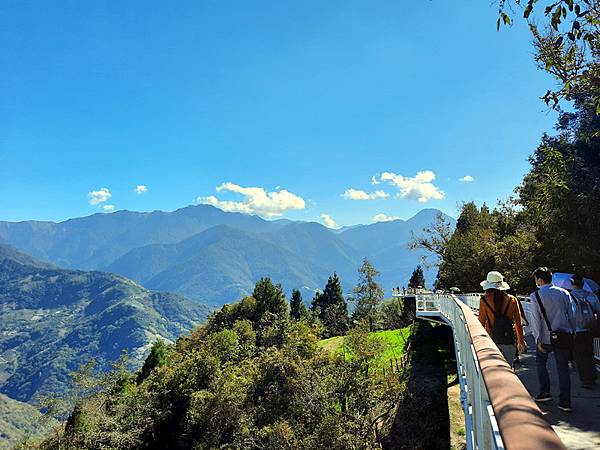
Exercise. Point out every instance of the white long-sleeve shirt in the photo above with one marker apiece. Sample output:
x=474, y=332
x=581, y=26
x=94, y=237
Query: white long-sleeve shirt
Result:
x=559, y=309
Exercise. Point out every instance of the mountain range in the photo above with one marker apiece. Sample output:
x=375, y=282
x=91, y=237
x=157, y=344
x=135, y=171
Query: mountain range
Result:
x=54, y=320
x=215, y=257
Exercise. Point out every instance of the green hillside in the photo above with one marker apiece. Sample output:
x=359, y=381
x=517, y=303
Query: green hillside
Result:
x=19, y=420
x=218, y=266
x=53, y=320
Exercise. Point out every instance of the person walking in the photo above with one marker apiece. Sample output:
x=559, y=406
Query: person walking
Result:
x=552, y=325
x=585, y=304
x=500, y=315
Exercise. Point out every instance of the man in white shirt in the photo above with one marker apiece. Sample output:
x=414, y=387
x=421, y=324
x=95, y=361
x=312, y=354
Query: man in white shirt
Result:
x=557, y=305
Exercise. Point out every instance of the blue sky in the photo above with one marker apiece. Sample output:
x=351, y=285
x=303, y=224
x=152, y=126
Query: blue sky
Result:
x=303, y=99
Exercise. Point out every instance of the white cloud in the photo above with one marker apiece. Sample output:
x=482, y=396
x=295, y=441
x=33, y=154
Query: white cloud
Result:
x=328, y=221
x=141, y=189
x=256, y=201
x=420, y=187
x=374, y=180
x=357, y=194
x=100, y=196
x=467, y=179
x=381, y=217
x=108, y=208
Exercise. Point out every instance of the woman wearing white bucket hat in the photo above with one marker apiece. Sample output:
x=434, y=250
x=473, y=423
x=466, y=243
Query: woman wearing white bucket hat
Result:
x=500, y=315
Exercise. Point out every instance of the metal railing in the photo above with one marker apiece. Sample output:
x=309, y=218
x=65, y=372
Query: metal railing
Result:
x=499, y=412
x=481, y=427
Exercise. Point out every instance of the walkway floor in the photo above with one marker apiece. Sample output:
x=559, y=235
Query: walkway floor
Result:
x=579, y=430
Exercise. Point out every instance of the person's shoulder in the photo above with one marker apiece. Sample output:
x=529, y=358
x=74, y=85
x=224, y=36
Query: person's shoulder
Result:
x=560, y=290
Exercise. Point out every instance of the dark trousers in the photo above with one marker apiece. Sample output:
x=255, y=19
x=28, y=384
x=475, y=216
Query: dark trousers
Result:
x=584, y=357
x=561, y=357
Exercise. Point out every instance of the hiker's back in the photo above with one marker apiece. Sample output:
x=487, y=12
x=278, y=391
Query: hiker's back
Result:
x=502, y=330
x=584, y=311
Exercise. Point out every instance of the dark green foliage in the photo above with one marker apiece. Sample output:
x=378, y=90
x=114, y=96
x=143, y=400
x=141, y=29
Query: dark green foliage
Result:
x=331, y=308
x=417, y=279
x=367, y=295
x=221, y=387
x=156, y=358
x=392, y=314
x=560, y=196
x=270, y=299
x=298, y=309
x=487, y=240
x=54, y=320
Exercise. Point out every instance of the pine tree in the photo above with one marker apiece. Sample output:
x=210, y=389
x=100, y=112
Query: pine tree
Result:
x=417, y=279
x=269, y=299
x=331, y=307
x=368, y=294
x=298, y=309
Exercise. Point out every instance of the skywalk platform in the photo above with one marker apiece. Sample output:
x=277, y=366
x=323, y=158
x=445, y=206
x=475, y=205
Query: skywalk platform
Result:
x=500, y=412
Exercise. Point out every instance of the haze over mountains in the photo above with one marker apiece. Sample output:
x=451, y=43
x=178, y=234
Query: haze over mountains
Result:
x=54, y=320
x=215, y=257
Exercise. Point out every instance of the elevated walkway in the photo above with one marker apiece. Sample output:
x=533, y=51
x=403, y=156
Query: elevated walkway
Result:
x=499, y=410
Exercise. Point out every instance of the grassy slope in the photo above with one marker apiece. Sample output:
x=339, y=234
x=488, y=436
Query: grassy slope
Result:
x=18, y=420
x=395, y=341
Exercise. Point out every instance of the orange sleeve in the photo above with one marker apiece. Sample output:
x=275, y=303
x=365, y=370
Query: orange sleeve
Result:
x=484, y=315
x=518, y=320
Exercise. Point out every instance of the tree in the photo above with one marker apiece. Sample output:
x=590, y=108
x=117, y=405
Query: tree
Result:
x=269, y=299
x=298, y=309
x=567, y=44
x=434, y=239
x=156, y=358
x=331, y=307
x=417, y=279
x=560, y=196
x=367, y=294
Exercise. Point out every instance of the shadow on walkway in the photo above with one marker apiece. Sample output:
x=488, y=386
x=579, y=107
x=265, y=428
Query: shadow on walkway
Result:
x=579, y=430
x=422, y=420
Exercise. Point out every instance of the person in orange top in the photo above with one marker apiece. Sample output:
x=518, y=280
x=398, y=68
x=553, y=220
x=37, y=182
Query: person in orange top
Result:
x=500, y=315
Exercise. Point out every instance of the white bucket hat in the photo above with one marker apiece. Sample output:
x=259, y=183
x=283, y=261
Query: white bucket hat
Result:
x=495, y=280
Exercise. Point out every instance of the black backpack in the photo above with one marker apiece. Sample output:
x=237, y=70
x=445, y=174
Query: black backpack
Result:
x=502, y=332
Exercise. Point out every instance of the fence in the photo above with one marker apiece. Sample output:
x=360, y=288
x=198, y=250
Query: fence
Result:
x=498, y=409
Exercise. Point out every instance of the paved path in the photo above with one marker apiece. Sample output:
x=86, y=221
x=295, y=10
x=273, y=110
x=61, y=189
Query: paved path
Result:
x=579, y=430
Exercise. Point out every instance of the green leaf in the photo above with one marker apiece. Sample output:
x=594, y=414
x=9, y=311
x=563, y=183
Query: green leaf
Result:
x=498, y=24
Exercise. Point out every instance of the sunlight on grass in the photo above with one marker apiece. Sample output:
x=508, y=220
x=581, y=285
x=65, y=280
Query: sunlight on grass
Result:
x=395, y=342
